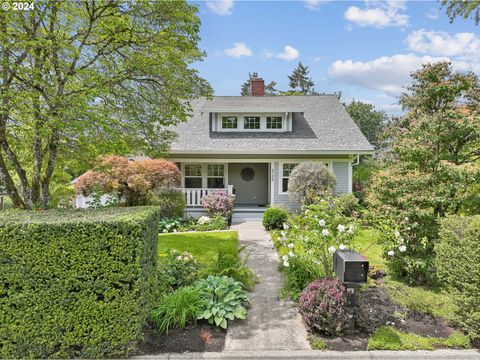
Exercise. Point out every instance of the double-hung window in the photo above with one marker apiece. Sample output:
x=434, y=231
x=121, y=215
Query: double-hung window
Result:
x=229, y=122
x=216, y=176
x=251, y=122
x=193, y=175
x=274, y=122
x=286, y=171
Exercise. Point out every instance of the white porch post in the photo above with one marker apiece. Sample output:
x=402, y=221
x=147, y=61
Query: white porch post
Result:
x=230, y=189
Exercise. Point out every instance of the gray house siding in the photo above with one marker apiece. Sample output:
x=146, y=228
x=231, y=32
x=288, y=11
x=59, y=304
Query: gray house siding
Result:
x=279, y=199
x=340, y=169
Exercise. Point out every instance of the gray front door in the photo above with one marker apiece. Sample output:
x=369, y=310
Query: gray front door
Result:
x=250, y=183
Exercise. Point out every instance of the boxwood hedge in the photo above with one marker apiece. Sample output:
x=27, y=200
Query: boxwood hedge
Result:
x=75, y=283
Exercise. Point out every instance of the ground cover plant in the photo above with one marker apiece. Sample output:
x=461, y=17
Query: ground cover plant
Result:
x=66, y=276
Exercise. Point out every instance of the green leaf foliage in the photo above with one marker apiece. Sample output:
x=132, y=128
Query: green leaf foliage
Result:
x=224, y=300
x=274, y=218
x=75, y=283
x=458, y=264
x=370, y=121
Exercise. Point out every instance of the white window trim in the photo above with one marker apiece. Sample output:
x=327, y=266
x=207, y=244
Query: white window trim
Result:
x=205, y=172
x=263, y=122
x=329, y=165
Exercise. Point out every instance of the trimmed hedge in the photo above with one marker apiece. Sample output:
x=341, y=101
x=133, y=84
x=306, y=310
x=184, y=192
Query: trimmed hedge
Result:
x=75, y=283
x=458, y=266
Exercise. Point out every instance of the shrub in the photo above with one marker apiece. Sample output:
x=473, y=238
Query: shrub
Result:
x=301, y=271
x=324, y=306
x=75, y=284
x=177, y=310
x=458, y=264
x=274, y=218
x=309, y=180
x=171, y=202
x=178, y=269
x=219, y=203
x=233, y=266
x=347, y=204
x=206, y=224
x=134, y=181
x=223, y=300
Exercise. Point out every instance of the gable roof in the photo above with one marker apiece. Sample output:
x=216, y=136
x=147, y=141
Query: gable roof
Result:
x=320, y=125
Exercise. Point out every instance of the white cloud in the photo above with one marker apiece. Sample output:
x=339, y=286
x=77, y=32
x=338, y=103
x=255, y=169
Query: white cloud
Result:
x=267, y=54
x=289, y=53
x=443, y=44
x=433, y=14
x=388, y=74
x=378, y=14
x=314, y=4
x=221, y=7
x=238, y=50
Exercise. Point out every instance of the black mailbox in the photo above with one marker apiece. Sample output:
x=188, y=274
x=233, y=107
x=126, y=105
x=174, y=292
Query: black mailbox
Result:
x=350, y=267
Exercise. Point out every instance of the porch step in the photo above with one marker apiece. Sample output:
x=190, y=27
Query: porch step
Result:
x=247, y=216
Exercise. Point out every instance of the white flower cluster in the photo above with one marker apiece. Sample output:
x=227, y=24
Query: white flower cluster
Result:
x=285, y=260
x=204, y=220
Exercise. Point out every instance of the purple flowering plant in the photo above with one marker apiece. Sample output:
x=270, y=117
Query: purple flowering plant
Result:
x=219, y=203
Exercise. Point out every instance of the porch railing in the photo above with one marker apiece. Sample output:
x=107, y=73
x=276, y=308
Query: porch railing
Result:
x=193, y=196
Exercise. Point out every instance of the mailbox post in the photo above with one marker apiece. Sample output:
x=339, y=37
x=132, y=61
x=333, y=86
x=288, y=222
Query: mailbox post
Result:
x=351, y=267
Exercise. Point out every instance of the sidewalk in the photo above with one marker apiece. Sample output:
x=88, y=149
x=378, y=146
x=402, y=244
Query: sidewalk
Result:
x=271, y=324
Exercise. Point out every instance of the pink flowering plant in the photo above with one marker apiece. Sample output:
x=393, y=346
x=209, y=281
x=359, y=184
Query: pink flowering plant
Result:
x=219, y=203
x=324, y=306
x=318, y=231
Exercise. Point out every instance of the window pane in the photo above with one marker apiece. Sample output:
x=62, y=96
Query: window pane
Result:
x=229, y=122
x=274, y=122
x=284, y=184
x=215, y=170
x=287, y=169
x=215, y=183
x=193, y=169
x=193, y=182
x=252, y=122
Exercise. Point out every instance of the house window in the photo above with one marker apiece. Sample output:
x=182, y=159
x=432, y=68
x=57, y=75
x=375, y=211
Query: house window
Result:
x=216, y=176
x=274, y=122
x=193, y=175
x=251, y=122
x=229, y=122
x=286, y=171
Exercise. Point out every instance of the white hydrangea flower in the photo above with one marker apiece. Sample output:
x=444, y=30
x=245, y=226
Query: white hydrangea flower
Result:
x=406, y=218
x=204, y=220
x=291, y=254
x=286, y=264
x=325, y=232
x=350, y=229
x=342, y=247
x=397, y=234
x=321, y=222
x=286, y=227
x=179, y=257
x=402, y=248
x=285, y=257
x=341, y=228
x=391, y=253
x=291, y=246
x=332, y=249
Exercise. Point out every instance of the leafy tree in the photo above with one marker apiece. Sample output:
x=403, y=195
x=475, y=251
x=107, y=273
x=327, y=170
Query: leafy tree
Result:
x=370, y=121
x=300, y=82
x=437, y=148
x=133, y=181
x=465, y=9
x=81, y=78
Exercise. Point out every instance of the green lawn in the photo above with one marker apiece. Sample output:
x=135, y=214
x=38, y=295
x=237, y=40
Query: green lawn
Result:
x=366, y=243
x=204, y=246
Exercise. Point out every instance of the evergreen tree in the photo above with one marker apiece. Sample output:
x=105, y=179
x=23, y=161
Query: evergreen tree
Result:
x=245, y=88
x=270, y=88
x=300, y=82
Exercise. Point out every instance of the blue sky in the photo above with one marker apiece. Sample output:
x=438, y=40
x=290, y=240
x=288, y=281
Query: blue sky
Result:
x=366, y=49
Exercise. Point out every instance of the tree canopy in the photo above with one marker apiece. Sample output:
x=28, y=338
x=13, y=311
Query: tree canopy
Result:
x=299, y=80
x=463, y=8
x=82, y=78
x=370, y=121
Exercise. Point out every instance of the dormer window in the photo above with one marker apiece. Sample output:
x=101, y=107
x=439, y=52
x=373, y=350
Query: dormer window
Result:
x=274, y=122
x=251, y=122
x=229, y=122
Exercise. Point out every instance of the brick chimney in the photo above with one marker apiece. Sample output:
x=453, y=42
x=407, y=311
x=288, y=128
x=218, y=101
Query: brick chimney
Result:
x=257, y=85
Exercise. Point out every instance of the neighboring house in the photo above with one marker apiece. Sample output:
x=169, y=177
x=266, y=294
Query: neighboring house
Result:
x=248, y=145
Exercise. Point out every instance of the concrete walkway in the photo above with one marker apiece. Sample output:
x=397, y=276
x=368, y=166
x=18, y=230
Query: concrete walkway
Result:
x=271, y=324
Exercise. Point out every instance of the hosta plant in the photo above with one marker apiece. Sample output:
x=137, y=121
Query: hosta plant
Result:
x=224, y=300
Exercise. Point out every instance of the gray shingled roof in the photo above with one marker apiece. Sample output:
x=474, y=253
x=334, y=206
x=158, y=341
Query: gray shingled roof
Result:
x=324, y=126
